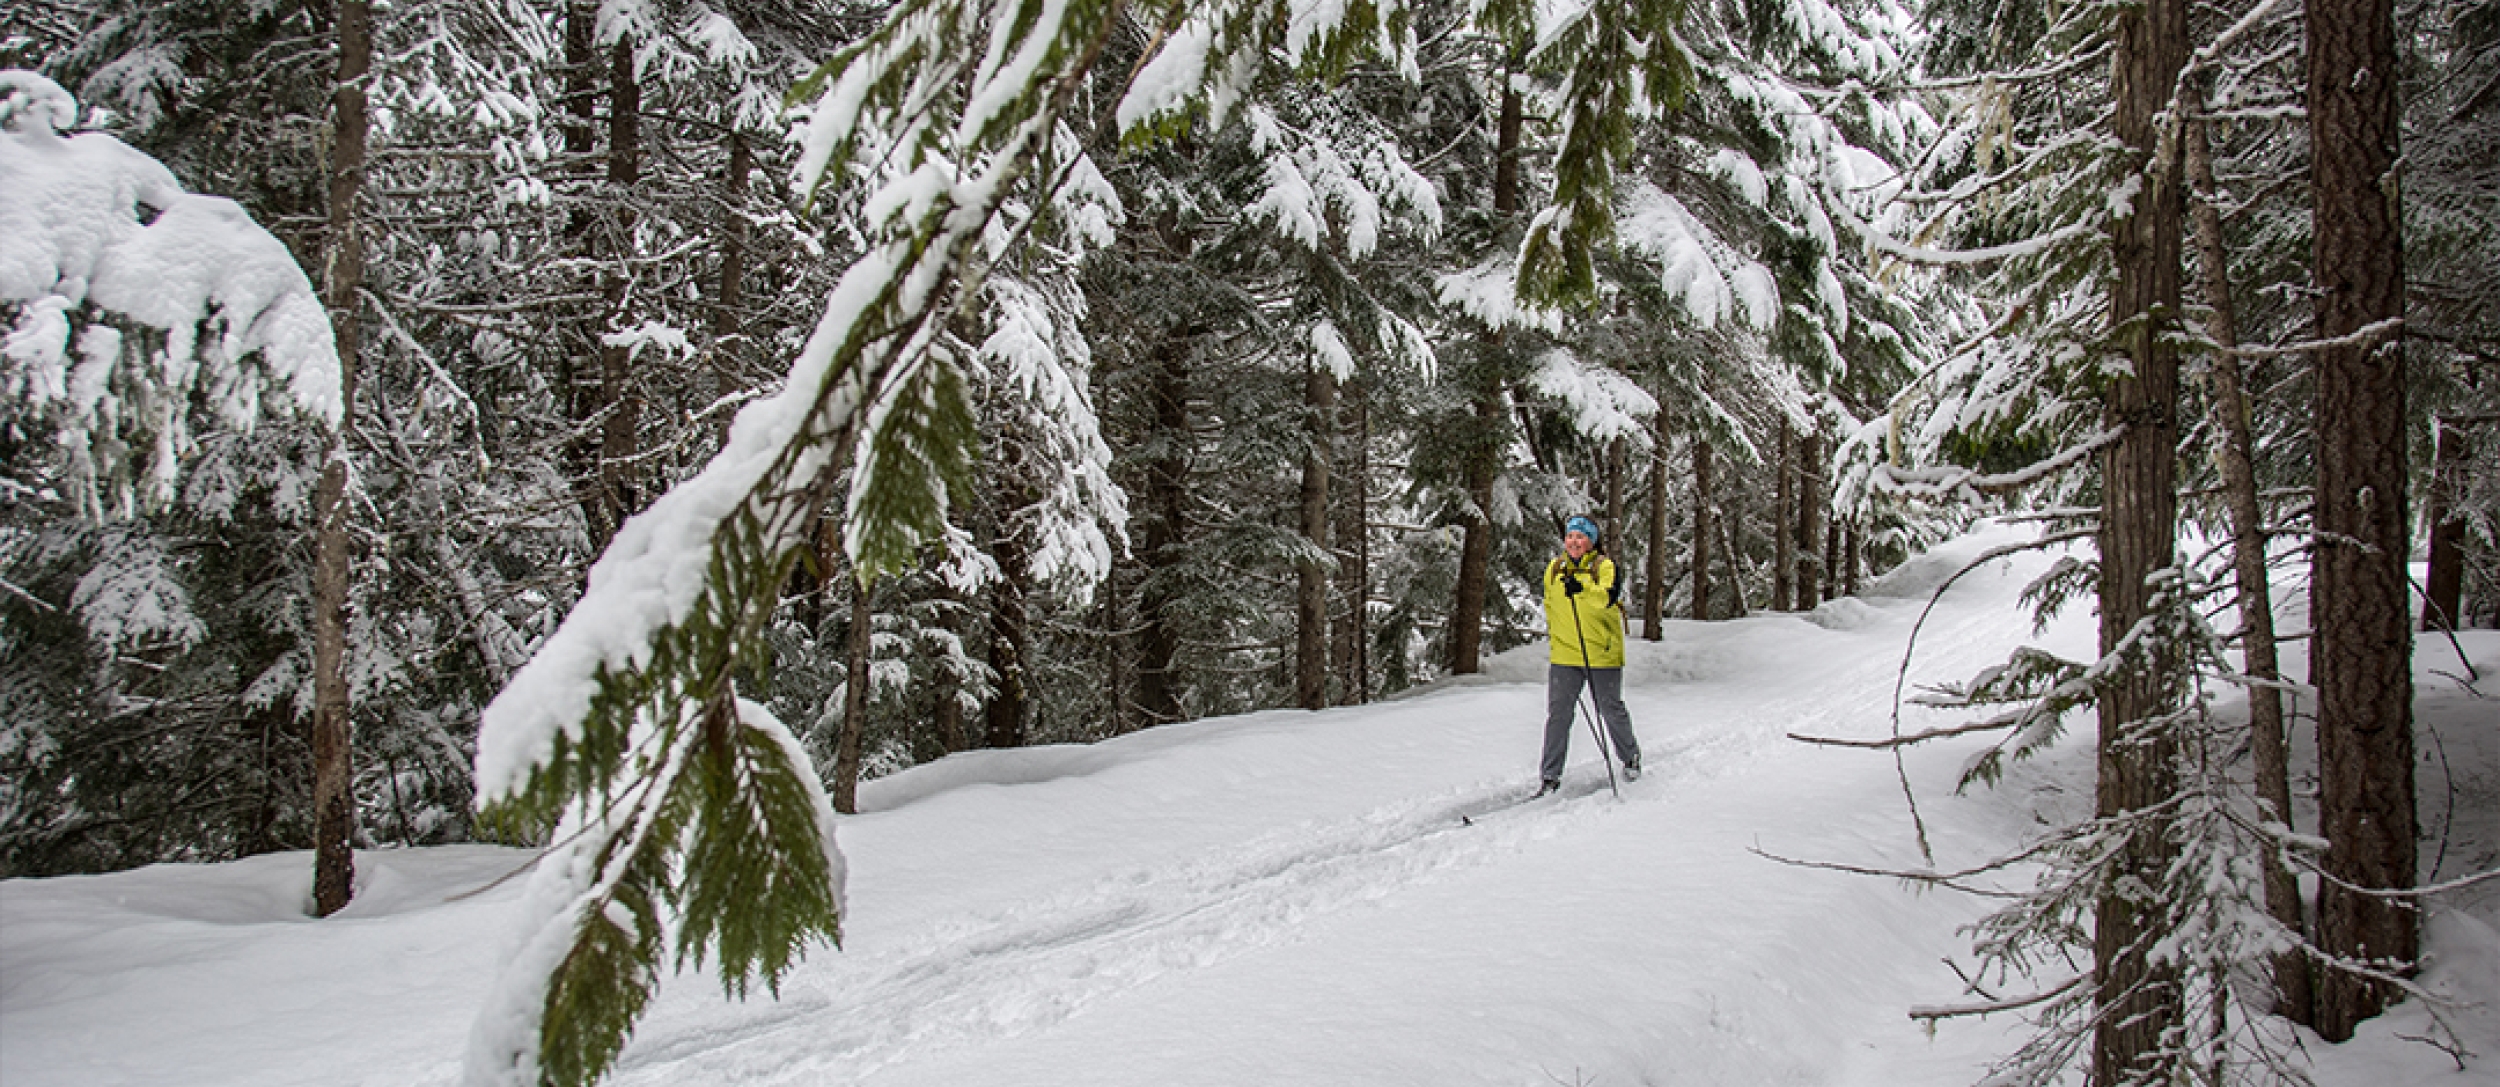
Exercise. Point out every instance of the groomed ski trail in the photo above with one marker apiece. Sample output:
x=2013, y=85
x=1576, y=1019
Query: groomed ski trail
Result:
x=922, y=999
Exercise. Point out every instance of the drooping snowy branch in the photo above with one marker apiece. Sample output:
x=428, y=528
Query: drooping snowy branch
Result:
x=945, y=117
x=1603, y=404
x=143, y=313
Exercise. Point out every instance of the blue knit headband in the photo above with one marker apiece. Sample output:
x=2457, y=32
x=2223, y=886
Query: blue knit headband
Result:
x=1583, y=526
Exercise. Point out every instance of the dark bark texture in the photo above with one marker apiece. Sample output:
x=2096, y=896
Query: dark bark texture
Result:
x=2234, y=446
x=2443, y=584
x=1310, y=681
x=846, y=745
x=1783, y=525
x=2138, y=1000
x=1164, y=534
x=1701, y=528
x=1484, y=461
x=1810, y=550
x=1350, y=632
x=334, y=801
x=1654, y=579
x=2361, y=653
x=1004, y=717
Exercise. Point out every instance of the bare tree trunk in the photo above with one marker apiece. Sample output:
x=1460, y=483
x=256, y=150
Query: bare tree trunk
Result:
x=1351, y=630
x=1832, y=559
x=1475, y=551
x=1852, y=548
x=2443, y=585
x=846, y=754
x=2361, y=654
x=620, y=405
x=730, y=295
x=1783, y=530
x=581, y=93
x=946, y=713
x=2233, y=456
x=1475, y=557
x=1163, y=536
x=1654, y=583
x=1702, y=499
x=580, y=387
x=334, y=770
x=1311, y=603
x=2137, y=995
x=1735, y=568
x=1483, y=465
x=1117, y=673
x=1506, y=145
x=1810, y=486
x=1004, y=717
x=1613, y=530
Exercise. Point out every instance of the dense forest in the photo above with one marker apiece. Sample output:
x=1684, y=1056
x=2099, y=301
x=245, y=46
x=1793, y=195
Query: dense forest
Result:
x=1238, y=355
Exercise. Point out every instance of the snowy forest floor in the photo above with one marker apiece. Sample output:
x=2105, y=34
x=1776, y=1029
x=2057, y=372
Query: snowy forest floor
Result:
x=1343, y=897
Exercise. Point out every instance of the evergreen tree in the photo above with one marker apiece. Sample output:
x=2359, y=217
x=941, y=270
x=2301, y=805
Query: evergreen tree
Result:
x=152, y=329
x=2361, y=654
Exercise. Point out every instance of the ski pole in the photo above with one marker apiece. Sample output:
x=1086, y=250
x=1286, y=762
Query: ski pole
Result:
x=1588, y=683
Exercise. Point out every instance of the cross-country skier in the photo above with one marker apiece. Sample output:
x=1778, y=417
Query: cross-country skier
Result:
x=1584, y=621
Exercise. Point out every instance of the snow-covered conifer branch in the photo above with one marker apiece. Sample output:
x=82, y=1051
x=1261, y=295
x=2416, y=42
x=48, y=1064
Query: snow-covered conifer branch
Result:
x=1620, y=65
x=113, y=273
x=940, y=115
x=1968, y=484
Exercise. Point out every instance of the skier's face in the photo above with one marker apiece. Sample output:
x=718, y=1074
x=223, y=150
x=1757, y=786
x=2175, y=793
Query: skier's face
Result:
x=1575, y=544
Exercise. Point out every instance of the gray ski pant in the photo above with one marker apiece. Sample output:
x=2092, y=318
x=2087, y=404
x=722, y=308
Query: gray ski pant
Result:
x=1562, y=700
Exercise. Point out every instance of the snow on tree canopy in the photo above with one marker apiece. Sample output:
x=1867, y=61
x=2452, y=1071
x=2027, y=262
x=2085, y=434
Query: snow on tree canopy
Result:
x=1605, y=405
x=1488, y=292
x=1694, y=263
x=136, y=304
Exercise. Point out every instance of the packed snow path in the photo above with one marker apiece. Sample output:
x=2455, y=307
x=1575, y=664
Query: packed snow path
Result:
x=1345, y=897
x=1267, y=892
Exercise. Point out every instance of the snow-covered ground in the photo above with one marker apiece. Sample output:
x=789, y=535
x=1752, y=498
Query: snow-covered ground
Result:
x=1344, y=897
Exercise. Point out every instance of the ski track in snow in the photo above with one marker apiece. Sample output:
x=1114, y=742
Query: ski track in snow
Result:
x=974, y=979
x=1359, y=896
x=969, y=980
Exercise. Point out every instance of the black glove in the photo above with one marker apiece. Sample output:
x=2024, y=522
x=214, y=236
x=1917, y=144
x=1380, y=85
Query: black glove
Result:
x=1571, y=585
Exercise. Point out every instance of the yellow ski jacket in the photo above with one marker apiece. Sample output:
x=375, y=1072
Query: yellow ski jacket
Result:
x=1600, y=618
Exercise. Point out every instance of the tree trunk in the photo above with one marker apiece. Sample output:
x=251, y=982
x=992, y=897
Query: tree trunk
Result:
x=1506, y=149
x=1613, y=529
x=1853, y=554
x=2233, y=457
x=1163, y=535
x=946, y=712
x=620, y=405
x=1475, y=552
x=1831, y=555
x=730, y=296
x=1735, y=569
x=854, y=704
x=1810, y=486
x=2443, y=585
x=1701, y=527
x=1654, y=584
x=1117, y=675
x=1484, y=462
x=2360, y=657
x=580, y=387
x=1783, y=524
x=1004, y=717
x=334, y=770
x=2138, y=997
x=1310, y=656
x=1351, y=630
